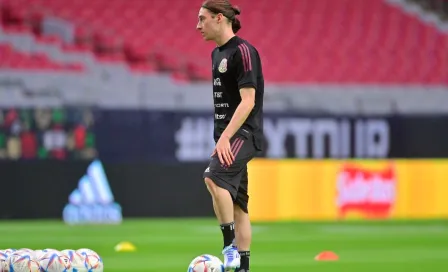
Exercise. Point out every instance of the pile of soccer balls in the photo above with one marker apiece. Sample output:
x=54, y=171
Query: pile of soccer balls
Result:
x=50, y=260
x=206, y=263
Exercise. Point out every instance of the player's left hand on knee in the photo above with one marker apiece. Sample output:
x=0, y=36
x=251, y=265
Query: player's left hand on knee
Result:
x=224, y=151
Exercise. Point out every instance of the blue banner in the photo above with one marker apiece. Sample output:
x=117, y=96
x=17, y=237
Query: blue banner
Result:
x=187, y=136
x=181, y=136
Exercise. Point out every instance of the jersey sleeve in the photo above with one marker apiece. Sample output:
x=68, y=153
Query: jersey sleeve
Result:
x=246, y=59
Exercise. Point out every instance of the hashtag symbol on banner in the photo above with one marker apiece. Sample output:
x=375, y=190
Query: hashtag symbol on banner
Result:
x=194, y=139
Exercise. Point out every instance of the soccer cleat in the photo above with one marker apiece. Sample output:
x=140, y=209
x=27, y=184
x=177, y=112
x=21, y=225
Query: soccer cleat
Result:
x=232, y=259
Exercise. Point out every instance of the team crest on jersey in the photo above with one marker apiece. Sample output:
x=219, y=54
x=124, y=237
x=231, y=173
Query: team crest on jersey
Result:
x=223, y=66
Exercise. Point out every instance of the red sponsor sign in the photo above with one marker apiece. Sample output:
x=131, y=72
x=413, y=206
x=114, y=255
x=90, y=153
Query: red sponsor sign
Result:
x=370, y=193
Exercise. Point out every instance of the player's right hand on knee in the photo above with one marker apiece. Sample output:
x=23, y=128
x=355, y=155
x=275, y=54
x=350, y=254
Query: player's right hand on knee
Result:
x=224, y=151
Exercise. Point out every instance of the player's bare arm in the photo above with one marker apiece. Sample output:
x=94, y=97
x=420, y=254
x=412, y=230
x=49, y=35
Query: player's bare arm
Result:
x=239, y=117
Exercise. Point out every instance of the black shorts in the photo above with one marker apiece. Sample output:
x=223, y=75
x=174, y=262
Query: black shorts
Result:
x=234, y=178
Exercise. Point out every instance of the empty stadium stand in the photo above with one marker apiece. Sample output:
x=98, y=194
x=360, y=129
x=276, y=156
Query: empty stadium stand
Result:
x=307, y=41
x=10, y=58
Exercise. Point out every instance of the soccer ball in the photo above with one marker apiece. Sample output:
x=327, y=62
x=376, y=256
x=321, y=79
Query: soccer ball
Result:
x=3, y=261
x=26, y=250
x=50, y=250
x=38, y=254
x=4, y=266
x=3, y=255
x=22, y=261
x=92, y=261
x=54, y=261
x=18, y=254
x=206, y=263
x=76, y=259
x=9, y=251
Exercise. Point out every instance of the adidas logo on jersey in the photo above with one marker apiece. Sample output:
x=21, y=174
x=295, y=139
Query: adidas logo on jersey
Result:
x=92, y=201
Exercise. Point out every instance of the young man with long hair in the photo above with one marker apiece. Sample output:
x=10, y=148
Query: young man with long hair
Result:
x=238, y=90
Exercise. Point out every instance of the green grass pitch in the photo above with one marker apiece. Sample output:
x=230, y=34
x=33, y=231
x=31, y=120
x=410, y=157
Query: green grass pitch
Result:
x=170, y=244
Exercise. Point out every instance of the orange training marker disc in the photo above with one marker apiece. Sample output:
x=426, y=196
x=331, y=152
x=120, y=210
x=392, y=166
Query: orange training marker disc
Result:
x=327, y=256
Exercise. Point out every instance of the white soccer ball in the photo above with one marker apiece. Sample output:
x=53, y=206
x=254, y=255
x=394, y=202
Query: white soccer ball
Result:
x=9, y=251
x=92, y=260
x=26, y=251
x=22, y=261
x=38, y=253
x=4, y=266
x=206, y=263
x=3, y=255
x=3, y=261
x=50, y=250
x=15, y=255
x=76, y=259
x=54, y=261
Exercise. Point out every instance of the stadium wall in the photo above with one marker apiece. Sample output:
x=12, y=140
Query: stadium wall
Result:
x=288, y=189
x=154, y=160
x=348, y=189
x=41, y=189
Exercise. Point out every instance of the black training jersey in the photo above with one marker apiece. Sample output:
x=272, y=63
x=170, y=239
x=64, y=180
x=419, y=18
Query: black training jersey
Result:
x=237, y=65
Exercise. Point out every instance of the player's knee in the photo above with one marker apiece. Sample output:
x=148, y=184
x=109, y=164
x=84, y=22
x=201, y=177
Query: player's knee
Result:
x=237, y=210
x=211, y=186
x=239, y=213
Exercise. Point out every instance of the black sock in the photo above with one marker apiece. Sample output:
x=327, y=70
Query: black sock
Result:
x=228, y=233
x=245, y=255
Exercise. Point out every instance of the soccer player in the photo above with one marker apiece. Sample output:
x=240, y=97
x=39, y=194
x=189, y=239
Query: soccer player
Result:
x=238, y=89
